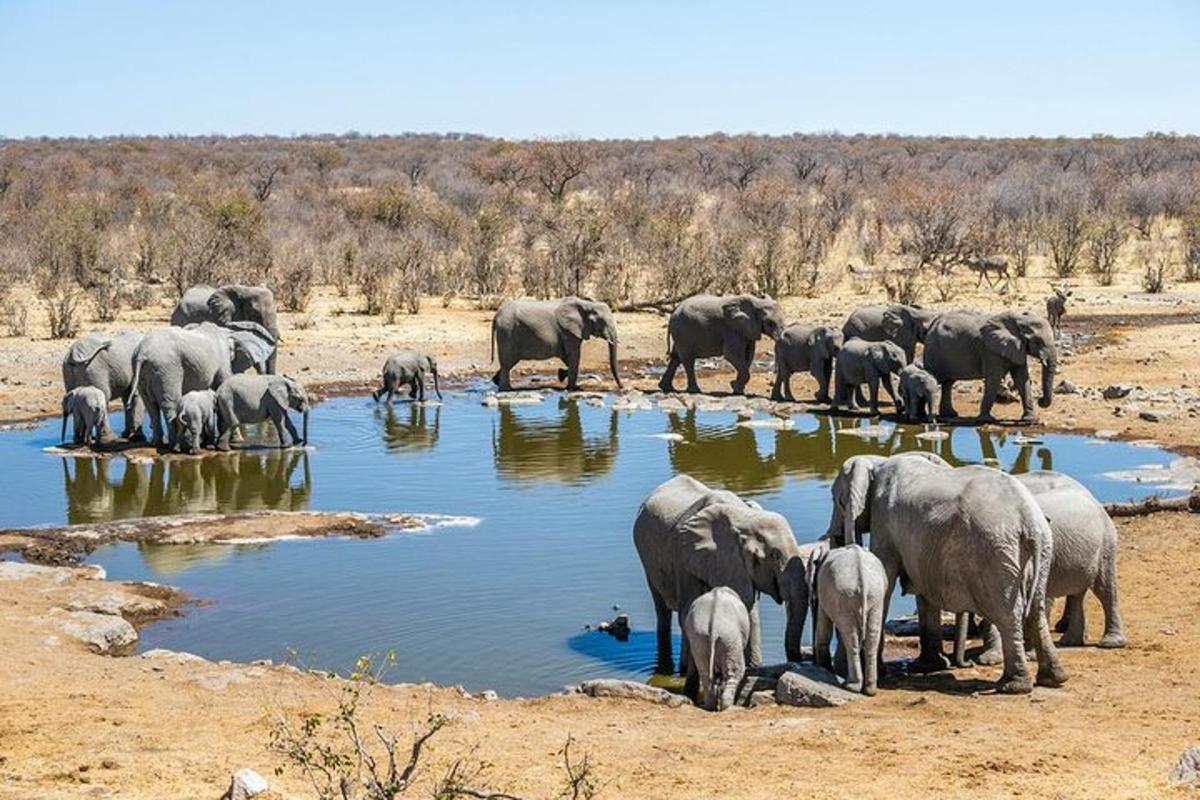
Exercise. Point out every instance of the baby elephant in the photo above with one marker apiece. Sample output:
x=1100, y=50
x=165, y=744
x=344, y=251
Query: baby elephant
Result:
x=255, y=398
x=717, y=627
x=918, y=393
x=408, y=367
x=805, y=348
x=851, y=586
x=89, y=408
x=871, y=363
x=196, y=421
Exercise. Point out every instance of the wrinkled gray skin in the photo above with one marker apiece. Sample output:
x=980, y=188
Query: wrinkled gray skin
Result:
x=533, y=330
x=1056, y=308
x=963, y=345
x=408, y=368
x=851, y=586
x=691, y=538
x=964, y=539
x=872, y=363
x=803, y=348
x=197, y=420
x=106, y=362
x=244, y=399
x=704, y=326
x=717, y=628
x=1085, y=558
x=906, y=325
x=170, y=362
x=231, y=303
x=918, y=393
x=88, y=408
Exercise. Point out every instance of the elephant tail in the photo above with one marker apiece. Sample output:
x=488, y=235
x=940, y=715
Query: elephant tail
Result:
x=133, y=383
x=668, y=340
x=710, y=698
x=493, y=361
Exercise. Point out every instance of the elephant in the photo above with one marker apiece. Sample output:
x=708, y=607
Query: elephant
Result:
x=169, y=362
x=705, y=325
x=88, y=408
x=717, y=628
x=849, y=589
x=906, y=325
x=244, y=399
x=197, y=420
x=866, y=362
x=918, y=394
x=804, y=347
x=230, y=303
x=691, y=538
x=963, y=345
x=540, y=329
x=106, y=362
x=966, y=538
x=414, y=427
x=408, y=368
x=1085, y=558
x=531, y=448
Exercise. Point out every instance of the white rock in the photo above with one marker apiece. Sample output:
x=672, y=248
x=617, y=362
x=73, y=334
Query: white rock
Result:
x=630, y=690
x=1187, y=768
x=246, y=783
x=772, y=423
x=811, y=687
x=933, y=436
x=103, y=633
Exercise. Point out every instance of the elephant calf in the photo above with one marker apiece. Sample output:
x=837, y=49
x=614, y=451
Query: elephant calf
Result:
x=851, y=586
x=717, y=627
x=408, y=368
x=88, y=407
x=866, y=362
x=918, y=393
x=805, y=347
x=255, y=398
x=196, y=421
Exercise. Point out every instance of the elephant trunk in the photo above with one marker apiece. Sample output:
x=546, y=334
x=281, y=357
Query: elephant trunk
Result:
x=612, y=361
x=62, y=437
x=1049, y=367
x=305, y=428
x=436, y=387
x=794, y=584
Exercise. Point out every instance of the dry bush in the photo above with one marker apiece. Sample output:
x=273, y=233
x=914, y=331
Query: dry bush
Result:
x=1191, y=247
x=1104, y=240
x=140, y=296
x=14, y=313
x=63, y=300
x=297, y=274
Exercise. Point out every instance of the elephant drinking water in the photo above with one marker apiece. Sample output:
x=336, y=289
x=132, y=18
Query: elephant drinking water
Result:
x=539, y=329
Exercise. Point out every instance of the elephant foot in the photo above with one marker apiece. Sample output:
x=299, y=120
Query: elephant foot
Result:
x=926, y=664
x=733, y=387
x=562, y=374
x=855, y=687
x=375, y=395
x=1071, y=640
x=823, y=399
x=1018, y=685
x=136, y=436
x=1051, y=675
x=869, y=689
x=665, y=388
x=1061, y=625
x=990, y=657
x=693, y=389
x=224, y=447
x=1112, y=641
x=1028, y=419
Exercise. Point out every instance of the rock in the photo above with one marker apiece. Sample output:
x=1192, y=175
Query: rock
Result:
x=775, y=670
x=106, y=634
x=811, y=687
x=933, y=436
x=1066, y=387
x=760, y=699
x=174, y=656
x=1115, y=391
x=1187, y=768
x=631, y=690
x=868, y=431
x=745, y=413
x=246, y=783
x=1106, y=434
x=1155, y=415
x=774, y=423
x=489, y=695
x=755, y=684
x=618, y=627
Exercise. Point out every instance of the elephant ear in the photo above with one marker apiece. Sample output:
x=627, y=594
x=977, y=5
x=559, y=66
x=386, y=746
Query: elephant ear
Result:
x=251, y=347
x=1002, y=341
x=85, y=349
x=739, y=319
x=852, y=491
x=892, y=323
x=221, y=306
x=712, y=551
x=278, y=390
x=570, y=319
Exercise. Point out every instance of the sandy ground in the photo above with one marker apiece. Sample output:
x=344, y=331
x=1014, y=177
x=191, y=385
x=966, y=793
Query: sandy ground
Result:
x=77, y=724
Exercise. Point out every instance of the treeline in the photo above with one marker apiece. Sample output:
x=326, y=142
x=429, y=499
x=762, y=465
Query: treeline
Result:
x=98, y=224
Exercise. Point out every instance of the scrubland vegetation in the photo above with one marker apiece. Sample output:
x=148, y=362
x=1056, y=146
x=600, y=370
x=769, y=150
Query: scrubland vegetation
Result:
x=100, y=224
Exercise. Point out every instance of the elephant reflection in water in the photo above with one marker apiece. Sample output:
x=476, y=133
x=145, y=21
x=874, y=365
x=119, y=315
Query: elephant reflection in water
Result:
x=248, y=481
x=722, y=456
x=527, y=448
x=409, y=426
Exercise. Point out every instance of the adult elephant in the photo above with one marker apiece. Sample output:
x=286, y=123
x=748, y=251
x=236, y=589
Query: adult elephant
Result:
x=872, y=363
x=904, y=324
x=963, y=539
x=692, y=538
x=539, y=329
x=105, y=361
x=963, y=345
x=805, y=347
x=170, y=362
x=705, y=325
x=230, y=303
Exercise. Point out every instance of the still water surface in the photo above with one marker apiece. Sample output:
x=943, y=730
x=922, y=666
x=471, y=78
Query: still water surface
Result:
x=502, y=604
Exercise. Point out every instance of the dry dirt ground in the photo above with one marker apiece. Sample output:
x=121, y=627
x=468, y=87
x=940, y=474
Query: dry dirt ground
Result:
x=76, y=724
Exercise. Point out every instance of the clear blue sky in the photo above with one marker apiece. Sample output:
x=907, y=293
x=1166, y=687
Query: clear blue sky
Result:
x=599, y=69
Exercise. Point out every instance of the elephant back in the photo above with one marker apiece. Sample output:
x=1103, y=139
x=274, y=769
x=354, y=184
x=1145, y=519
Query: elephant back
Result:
x=84, y=350
x=193, y=306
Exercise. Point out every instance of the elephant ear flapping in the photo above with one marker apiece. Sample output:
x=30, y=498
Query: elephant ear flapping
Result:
x=1000, y=340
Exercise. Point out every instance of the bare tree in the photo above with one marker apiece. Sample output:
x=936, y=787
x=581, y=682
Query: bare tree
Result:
x=263, y=177
x=556, y=164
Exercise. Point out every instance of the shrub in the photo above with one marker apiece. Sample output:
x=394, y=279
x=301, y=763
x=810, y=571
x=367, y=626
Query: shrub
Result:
x=62, y=298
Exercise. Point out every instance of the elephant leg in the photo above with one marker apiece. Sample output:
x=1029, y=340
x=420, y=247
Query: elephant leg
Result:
x=418, y=389
x=781, y=378
x=666, y=382
x=947, y=402
x=851, y=638
x=931, y=659
x=1020, y=376
x=754, y=645
x=891, y=392
x=155, y=421
x=689, y=367
x=991, y=387
x=873, y=388
x=962, y=623
x=1015, y=678
x=571, y=356
x=1050, y=669
x=860, y=399
x=1075, y=633
x=685, y=649
x=822, y=373
x=735, y=354
x=291, y=429
x=228, y=423
x=1105, y=589
x=503, y=376
x=993, y=652
x=822, y=634
x=170, y=423
x=664, y=665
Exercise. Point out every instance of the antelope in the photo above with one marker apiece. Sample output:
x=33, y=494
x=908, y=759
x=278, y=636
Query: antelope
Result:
x=985, y=265
x=1056, y=306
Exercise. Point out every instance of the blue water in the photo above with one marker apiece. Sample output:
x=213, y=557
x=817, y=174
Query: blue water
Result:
x=502, y=604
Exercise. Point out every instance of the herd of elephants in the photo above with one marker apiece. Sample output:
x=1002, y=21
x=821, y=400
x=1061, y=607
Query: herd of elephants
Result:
x=973, y=540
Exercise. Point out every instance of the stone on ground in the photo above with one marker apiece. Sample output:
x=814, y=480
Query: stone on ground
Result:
x=1187, y=768
x=246, y=783
x=631, y=690
x=811, y=687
